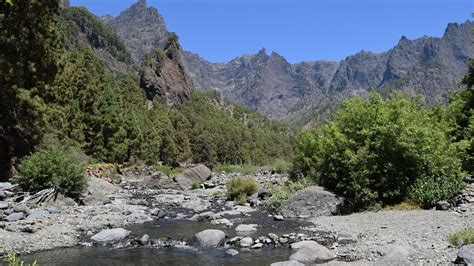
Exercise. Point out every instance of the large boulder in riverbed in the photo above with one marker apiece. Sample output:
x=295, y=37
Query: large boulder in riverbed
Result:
x=210, y=238
x=466, y=255
x=312, y=201
x=98, y=191
x=159, y=181
x=311, y=252
x=110, y=235
x=195, y=175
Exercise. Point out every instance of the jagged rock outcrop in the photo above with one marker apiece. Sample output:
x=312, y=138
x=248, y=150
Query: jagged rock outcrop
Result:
x=142, y=28
x=269, y=84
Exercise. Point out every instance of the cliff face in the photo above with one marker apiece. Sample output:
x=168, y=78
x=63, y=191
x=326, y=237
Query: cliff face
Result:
x=269, y=84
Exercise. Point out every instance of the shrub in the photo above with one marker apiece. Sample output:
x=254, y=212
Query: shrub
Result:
x=465, y=237
x=281, y=166
x=48, y=168
x=239, y=189
x=375, y=151
x=168, y=170
x=14, y=260
x=242, y=169
x=280, y=194
x=429, y=191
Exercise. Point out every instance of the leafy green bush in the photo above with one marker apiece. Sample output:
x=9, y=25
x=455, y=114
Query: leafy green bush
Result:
x=465, y=237
x=280, y=194
x=14, y=260
x=428, y=191
x=48, y=168
x=281, y=166
x=242, y=169
x=375, y=151
x=239, y=188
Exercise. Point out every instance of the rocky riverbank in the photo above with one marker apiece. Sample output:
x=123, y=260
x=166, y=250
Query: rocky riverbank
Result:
x=142, y=196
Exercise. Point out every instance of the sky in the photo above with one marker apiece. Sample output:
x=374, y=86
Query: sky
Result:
x=299, y=30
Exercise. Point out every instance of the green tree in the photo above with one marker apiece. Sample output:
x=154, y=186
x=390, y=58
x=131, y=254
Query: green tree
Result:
x=29, y=45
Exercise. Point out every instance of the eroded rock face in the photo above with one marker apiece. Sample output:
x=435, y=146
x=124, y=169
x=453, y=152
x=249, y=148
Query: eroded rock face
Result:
x=210, y=238
x=195, y=175
x=310, y=202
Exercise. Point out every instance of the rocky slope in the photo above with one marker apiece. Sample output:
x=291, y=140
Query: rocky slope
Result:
x=269, y=84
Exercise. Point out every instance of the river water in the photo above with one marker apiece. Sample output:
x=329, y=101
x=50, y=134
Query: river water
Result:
x=175, y=229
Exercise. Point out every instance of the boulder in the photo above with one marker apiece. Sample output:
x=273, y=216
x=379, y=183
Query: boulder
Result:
x=287, y=263
x=232, y=252
x=466, y=255
x=311, y=252
x=5, y=185
x=159, y=181
x=16, y=216
x=37, y=214
x=312, y=201
x=246, y=228
x=2, y=194
x=98, y=191
x=443, y=205
x=195, y=175
x=109, y=235
x=210, y=238
x=144, y=239
x=246, y=242
x=394, y=255
x=4, y=205
x=264, y=194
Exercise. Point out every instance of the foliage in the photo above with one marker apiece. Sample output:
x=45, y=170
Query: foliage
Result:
x=376, y=150
x=168, y=170
x=465, y=237
x=239, y=188
x=14, y=260
x=280, y=194
x=51, y=168
x=78, y=20
x=428, y=191
x=29, y=45
x=281, y=166
x=241, y=169
x=406, y=205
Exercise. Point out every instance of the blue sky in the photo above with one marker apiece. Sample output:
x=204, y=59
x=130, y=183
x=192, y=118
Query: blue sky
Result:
x=299, y=30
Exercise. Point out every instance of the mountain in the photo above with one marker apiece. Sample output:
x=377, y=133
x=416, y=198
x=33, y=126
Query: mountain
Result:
x=141, y=27
x=269, y=84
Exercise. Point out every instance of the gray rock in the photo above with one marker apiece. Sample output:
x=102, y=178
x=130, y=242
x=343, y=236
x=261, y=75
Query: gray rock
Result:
x=205, y=216
x=144, y=239
x=394, y=255
x=443, y=205
x=37, y=214
x=159, y=181
x=5, y=185
x=264, y=194
x=155, y=211
x=229, y=204
x=312, y=201
x=232, y=252
x=466, y=255
x=210, y=238
x=4, y=205
x=195, y=175
x=257, y=246
x=16, y=216
x=53, y=210
x=98, y=191
x=278, y=218
x=253, y=200
x=287, y=263
x=345, y=239
x=2, y=194
x=109, y=235
x=246, y=228
x=246, y=242
x=273, y=236
x=311, y=252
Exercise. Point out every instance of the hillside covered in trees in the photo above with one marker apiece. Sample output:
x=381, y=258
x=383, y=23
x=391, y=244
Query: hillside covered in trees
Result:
x=69, y=81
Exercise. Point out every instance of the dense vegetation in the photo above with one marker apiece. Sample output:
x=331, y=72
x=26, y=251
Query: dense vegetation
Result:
x=239, y=188
x=381, y=151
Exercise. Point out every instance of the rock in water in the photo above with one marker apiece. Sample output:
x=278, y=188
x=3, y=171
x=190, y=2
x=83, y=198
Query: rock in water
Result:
x=109, y=235
x=246, y=242
x=195, y=175
x=232, y=252
x=246, y=228
x=311, y=252
x=145, y=239
x=210, y=238
x=466, y=255
x=312, y=201
x=14, y=217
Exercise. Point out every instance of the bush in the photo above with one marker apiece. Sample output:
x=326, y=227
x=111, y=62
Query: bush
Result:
x=375, y=151
x=281, y=194
x=281, y=166
x=238, y=189
x=242, y=169
x=14, y=260
x=48, y=168
x=168, y=170
x=429, y=191
x=462, y=238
